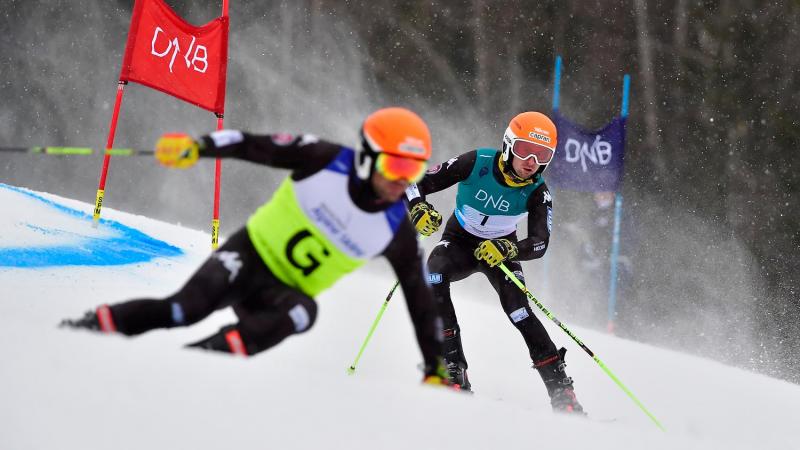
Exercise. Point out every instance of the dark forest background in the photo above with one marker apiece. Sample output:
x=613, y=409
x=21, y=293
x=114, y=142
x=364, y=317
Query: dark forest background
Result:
x=711, y=232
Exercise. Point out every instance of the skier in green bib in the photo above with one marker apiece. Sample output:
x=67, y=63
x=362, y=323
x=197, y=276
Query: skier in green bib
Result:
x=496, y=191
x=338, y=208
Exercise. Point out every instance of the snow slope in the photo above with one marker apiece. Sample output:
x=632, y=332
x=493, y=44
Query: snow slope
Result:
x=76, y=390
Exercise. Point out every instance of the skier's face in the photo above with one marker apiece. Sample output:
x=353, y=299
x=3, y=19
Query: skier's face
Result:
x=387, y=190
x=525, y=168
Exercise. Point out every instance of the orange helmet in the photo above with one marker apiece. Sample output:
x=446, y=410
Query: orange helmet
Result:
x=530, y=135
x=396, y=142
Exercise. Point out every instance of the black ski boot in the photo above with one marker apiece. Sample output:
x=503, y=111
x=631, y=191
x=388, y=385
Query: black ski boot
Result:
x=227, y=340
x=559, y=385
x=454, y=358
x=99, y=320
x=458, y=375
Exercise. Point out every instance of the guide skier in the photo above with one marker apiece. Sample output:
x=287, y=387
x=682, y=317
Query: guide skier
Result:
x=338, y=208
x=496, y=191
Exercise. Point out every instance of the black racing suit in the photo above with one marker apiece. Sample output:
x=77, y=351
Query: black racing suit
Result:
x=269, y=310
x=452, y=259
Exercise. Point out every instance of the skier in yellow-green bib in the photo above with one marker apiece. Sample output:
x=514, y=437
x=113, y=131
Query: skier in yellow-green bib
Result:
x=337, y=209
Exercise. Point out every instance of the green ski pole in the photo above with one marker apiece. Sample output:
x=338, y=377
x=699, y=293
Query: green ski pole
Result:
x=352, y=369
x=596, y=359
x=72, y=151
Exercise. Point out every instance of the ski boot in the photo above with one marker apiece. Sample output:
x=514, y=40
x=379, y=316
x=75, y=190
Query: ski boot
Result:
x=227, y=340
x=454, y=358
x=559, y=385
x=99, y=320
x=457, y=373
x=438, y=376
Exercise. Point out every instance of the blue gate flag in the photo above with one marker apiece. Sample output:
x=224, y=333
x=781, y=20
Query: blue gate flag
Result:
x=587, y=161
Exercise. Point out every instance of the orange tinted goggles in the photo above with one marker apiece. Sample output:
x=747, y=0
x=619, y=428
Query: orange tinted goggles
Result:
x=395, y=168
x=526, y=150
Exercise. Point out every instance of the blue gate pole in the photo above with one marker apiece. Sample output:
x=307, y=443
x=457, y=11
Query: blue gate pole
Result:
x=557, y=83
x=556, y=92
x=626, y=89
x=612, y=284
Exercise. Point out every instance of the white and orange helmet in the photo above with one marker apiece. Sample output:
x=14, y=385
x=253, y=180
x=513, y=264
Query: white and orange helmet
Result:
x=530, y=135
x=396, y=142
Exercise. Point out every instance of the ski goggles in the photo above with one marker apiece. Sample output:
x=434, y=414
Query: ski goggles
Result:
x=524, y=150
x=395, y=168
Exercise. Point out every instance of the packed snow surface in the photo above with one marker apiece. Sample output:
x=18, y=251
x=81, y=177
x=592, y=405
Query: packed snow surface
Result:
x=63, y=389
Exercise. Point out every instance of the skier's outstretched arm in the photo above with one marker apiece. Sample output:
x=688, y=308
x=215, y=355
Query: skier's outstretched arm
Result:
x=281, y=150
x=302, y=153
x=405, y=256
x=540, y=221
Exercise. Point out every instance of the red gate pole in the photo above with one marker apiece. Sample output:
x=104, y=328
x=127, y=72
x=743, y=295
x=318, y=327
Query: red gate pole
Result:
x=218, y=170
x=101, y=187
x=217, y=183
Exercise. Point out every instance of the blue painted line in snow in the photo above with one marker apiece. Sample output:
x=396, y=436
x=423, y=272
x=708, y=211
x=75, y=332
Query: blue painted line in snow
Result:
x=126, y=246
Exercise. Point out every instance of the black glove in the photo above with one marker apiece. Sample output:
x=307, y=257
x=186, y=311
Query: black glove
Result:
x=426, y=218
x=495, y=251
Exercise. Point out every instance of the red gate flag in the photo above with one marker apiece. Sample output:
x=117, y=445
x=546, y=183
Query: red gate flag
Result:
x=166, y=53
